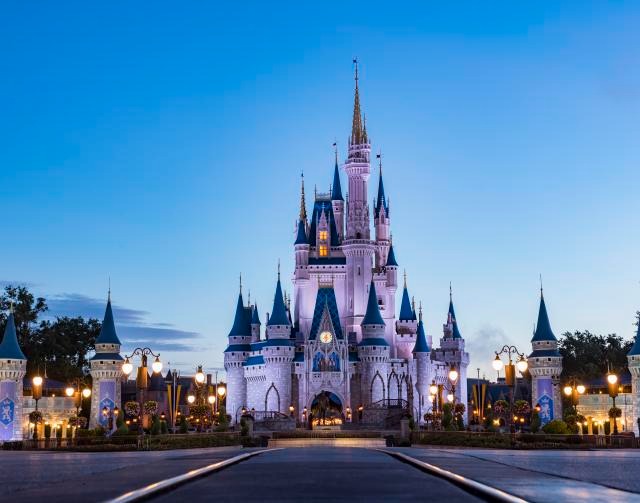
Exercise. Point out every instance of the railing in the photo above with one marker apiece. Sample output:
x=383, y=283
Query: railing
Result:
x=264, y=415
x=389, y=403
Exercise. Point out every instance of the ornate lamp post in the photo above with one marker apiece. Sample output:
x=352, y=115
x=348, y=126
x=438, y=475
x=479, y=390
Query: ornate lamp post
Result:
x=142, y=376
x=573, y=390
x=612, y=380
x=510, y=372
x=37, y=389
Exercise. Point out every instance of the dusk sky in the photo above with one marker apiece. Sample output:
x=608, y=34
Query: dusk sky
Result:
x=162, y=146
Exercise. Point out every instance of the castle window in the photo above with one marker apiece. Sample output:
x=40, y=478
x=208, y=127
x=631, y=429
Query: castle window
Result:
x=323, y=235
x=324, y=250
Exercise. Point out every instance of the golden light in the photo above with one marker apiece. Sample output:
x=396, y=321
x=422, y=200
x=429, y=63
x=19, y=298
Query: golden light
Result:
x=86, y=392
x=432, y=398
x=433, y=389
x=127, y=368
x=450, y=397
x=522, y=364
x=156, y=366
x=581, y=389
x=567, y=390
x=199, y=375
x=222, y=391
x=191, y=399
x=453, y=375
x=611, y=378
x=211, y=399
x=69, y=391
x=497, y=364
x=37, y=381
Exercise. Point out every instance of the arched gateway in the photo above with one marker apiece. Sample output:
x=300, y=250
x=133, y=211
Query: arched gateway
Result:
x=326, y=410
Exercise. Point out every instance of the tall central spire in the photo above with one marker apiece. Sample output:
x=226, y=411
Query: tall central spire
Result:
x=358, y=135
x=303, y=206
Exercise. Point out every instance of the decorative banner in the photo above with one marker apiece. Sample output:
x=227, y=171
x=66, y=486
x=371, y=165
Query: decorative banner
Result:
x=107, y=394
x=545, y=400
x=7, y=409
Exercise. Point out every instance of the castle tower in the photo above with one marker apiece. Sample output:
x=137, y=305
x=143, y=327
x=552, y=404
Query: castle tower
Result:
x=357, y=247
x=301, y=282
x=278, y=353
x=255, y=324
x=13, y=367
x=452, y=353
x=337, y=201
x=382, y=223
x=106, y=372
x=422, y=357
x=236, y=355
x=545, y=366
x=373, y=351
x=407, y=325
x=633, y=359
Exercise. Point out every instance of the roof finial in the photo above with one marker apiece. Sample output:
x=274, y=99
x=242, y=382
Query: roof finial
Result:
x=420, y=311
x=357, y=133
x=240, y=283
x=109, y=291
x=335, y=150
x=379, y=157
x=249, y=298
x=303, y=204
x=541, y=294
x=405, y=278
x=278, y=269
x=450, y=292
x=11, y=306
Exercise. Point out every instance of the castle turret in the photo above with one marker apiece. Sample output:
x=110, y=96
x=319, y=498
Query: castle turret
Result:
x=382, y=223
x=633, y=359
x=422, y=357
x=255, y=324
x=235, y=355
x=106, y=372
x=545, y=367
x=337, y=201
x=373, y=351
x=357, y=247
x=278, y=353
x=406, y=326
x=452, y=352
x=13, y=367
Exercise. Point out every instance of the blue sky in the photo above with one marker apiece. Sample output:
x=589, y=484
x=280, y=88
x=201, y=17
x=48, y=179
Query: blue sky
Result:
x=162, y=146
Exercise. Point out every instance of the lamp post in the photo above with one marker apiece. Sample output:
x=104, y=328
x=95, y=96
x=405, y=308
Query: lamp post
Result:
x=612, y=380
x=142, y=376
x=573, y=390
x=36, y=390
x=78, y=395
x=510, y=372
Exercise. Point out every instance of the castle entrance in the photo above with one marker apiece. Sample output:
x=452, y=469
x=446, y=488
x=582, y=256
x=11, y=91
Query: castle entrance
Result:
x=326, y=410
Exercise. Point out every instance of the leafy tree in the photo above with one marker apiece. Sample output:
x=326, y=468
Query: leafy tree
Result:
x=26, y=308
x=535, y=421
x=556, y=427
x=586, y=355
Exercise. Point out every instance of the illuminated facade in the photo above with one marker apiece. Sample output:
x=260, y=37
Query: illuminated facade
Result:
x=339, y=343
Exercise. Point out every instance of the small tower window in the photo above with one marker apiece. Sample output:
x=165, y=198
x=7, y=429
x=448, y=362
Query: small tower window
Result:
x=324, y=251
x=323, y=235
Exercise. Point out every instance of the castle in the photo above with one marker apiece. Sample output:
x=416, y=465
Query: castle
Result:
x=342, y=342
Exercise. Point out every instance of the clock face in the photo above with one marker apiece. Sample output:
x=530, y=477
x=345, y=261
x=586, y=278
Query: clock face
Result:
x=325, y=337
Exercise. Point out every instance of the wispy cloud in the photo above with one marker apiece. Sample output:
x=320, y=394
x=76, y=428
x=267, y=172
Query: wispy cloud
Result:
x=482, y=345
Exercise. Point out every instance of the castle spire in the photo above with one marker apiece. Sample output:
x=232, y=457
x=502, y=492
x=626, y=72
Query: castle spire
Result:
x=372, y=316
x=108, y=330
x=9, y=347
x=279, y=311
x=303, y=205
x=421, y=345
x=357, y=129
x=336, y=188
x=451, y=315
x=381, y=200
x=543, y=327
x=406, y=312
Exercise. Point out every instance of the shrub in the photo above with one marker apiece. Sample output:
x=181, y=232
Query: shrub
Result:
x=615, y=412
x=521, y=408
x=447, y=416
x=223, y=419
x=35, y=416
x=47, y=431
x=163, y=427
x=500, y=407
x=184, y=425
x=556, y=427
x=155, y=426
x=535, y=422
x=150, y=407
x=132, y=408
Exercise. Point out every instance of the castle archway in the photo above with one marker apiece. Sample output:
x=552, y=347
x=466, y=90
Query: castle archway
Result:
x=272, y=399
x=326, y=409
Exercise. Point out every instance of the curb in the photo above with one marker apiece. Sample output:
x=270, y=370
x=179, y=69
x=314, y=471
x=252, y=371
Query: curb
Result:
x=166, y=485
x=483, y=491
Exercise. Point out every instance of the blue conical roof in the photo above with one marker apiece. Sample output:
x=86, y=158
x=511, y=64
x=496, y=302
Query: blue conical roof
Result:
x=255, y=319
x=456, y=331
x=372, y=316
x=301, y=238
x=239, y=327
x=543, y=328
x=336, y=188
x=108, y=331
x=391, y=258
x=9, y=347
x=406, y=311
x=635, y=349
x=279, y=311
x=421, y=339
x=381, y=200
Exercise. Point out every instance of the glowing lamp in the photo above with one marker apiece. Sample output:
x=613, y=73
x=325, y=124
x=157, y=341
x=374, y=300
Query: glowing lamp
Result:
x=37, y=381
x=127, y=368
x=522, y=364
x=156, y=366
x=69, y=391
x=497, y=364
x=86, y=392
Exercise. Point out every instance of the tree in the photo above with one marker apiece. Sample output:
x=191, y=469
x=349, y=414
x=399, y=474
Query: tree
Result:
x=26, y=311
x=586, y=355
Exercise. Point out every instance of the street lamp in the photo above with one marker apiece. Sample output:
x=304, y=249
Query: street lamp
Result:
x=200, y=375
x=612, y=379
x=142, y=376
x=573, y=390
x=510, y=370
x=191, y=399
x=37, y=389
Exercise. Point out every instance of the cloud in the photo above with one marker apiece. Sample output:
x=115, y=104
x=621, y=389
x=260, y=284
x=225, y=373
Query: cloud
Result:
x=5, y=283
x=482, y=346
x=131, y=324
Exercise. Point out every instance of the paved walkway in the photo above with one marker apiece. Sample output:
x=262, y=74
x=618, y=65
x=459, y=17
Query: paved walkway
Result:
x=545, y=476
x=319, y=474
